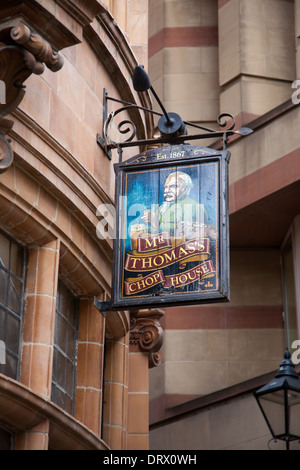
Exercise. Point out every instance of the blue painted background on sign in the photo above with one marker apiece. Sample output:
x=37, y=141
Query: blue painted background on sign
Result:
x=145, y=189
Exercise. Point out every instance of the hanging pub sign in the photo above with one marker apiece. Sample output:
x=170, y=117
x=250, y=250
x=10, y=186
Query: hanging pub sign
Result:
x=171, y=245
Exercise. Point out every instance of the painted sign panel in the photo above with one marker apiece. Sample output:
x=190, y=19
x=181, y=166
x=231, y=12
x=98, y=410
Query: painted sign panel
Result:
x=172, y=231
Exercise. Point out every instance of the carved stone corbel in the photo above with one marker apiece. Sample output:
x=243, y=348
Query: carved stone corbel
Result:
x=22, y=53
x=6, y=153
x=146, y=333
x=37, y=46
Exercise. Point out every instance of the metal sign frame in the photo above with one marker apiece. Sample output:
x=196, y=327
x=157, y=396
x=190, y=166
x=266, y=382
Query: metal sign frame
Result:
x=199, y=262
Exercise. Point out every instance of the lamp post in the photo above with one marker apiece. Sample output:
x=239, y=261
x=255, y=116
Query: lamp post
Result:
x=279, y=402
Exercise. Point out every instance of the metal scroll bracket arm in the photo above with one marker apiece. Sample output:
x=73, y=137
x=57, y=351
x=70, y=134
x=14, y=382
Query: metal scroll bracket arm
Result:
x=172, y=128
x=104, y=306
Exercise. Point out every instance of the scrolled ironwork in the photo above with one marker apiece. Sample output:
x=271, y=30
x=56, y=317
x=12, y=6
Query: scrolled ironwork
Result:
x=225, y=121
x=120, y=127
x=224, y=124
x=126, y=130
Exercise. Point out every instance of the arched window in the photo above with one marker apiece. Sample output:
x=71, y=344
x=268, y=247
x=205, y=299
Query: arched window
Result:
x=65, y=349
x=6, y=438
x=12, y=284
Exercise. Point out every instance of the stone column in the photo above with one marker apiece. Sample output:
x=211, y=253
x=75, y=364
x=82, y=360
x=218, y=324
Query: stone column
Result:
x=38, y=333
x=36, y=438
x=255, y=72
x=116, y=393
x=183, y=58
x=89, y=389
x=146, y=337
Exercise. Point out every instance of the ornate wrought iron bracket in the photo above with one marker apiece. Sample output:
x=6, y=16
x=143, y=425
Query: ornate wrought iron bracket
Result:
x=225, y=121
x=172, y=128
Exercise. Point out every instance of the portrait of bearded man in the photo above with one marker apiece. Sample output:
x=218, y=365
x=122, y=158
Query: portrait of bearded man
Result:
x=179, y=214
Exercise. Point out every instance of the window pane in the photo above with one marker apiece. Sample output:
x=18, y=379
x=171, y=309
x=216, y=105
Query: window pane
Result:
x=16, y=259
x=68, y=405
x=10, y=368
x=71, y=310
x=63, y=300
x=61, y=332
x=4, y=250
x=12, y=335
x=58, y=396
x=3, y=286
x=5, y=439
x=60, y=369
x=71, y=342
x=64, y=359
x=69, y=377
x=14, y=295
x=12, y=283
x=2, y=324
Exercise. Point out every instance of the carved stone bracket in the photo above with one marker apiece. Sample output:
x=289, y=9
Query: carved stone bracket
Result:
x=6, y=153
x=22, y=53
x=146, y=333
x=38, y=47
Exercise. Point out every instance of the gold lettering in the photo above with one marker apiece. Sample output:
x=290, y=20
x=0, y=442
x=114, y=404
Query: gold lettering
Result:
x=131, y=286
x=204, y=268
x=141, y=284
x=148, y=261
x=190, y=273
x=191, y=247
x=149, y=281
x=134, y=261
x=156, y=263
x=182, y=251
x=201, y=246
x=183, y=279
x=151, y=243
x=170, y=257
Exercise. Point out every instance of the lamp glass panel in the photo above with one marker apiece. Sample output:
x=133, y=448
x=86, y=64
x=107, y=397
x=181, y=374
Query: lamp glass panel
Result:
x=273, y=407
x=289, y=292
x=295, y=415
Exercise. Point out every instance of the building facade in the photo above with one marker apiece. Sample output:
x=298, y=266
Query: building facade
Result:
x=209, y=57
x=71, y=376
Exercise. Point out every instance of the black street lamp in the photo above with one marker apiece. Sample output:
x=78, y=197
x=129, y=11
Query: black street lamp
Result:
x=279, y=402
